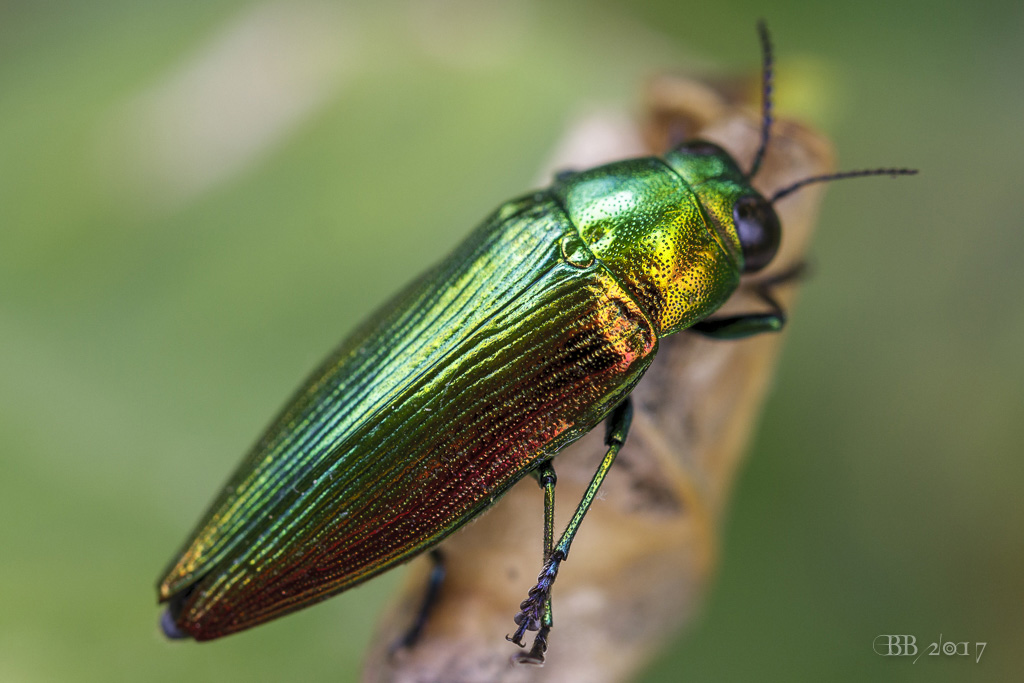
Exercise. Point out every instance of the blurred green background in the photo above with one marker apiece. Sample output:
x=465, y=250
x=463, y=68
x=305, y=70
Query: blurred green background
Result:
x=197, y=201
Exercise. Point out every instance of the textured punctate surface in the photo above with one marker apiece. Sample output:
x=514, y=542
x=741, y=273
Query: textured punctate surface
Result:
x=489, y=362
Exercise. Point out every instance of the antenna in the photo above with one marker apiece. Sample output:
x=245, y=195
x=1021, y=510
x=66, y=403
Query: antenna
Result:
x=779, y=194
x=766, y=96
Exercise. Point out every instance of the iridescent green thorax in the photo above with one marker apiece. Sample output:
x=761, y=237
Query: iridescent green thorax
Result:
x=644, y=220
x=718, y=184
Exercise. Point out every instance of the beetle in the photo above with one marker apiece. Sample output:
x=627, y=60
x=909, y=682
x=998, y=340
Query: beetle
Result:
x=528, y=335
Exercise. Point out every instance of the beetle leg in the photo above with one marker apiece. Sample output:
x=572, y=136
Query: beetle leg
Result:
x=535, y=612
x=547, y=479
x=747, y=325
x=430, y=596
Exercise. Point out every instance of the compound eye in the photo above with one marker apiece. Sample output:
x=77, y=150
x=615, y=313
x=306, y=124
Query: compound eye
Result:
x=759, y=231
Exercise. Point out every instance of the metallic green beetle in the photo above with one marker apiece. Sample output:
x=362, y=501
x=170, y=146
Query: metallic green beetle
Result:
x=533, y=331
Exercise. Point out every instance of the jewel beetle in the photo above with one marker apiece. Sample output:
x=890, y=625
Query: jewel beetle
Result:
x=528, y=335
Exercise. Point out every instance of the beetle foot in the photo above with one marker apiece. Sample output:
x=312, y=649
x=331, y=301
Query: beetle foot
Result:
x=531, y=610
x=536, y=654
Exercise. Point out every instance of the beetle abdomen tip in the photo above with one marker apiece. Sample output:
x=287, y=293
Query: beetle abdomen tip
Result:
x=170, y=628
